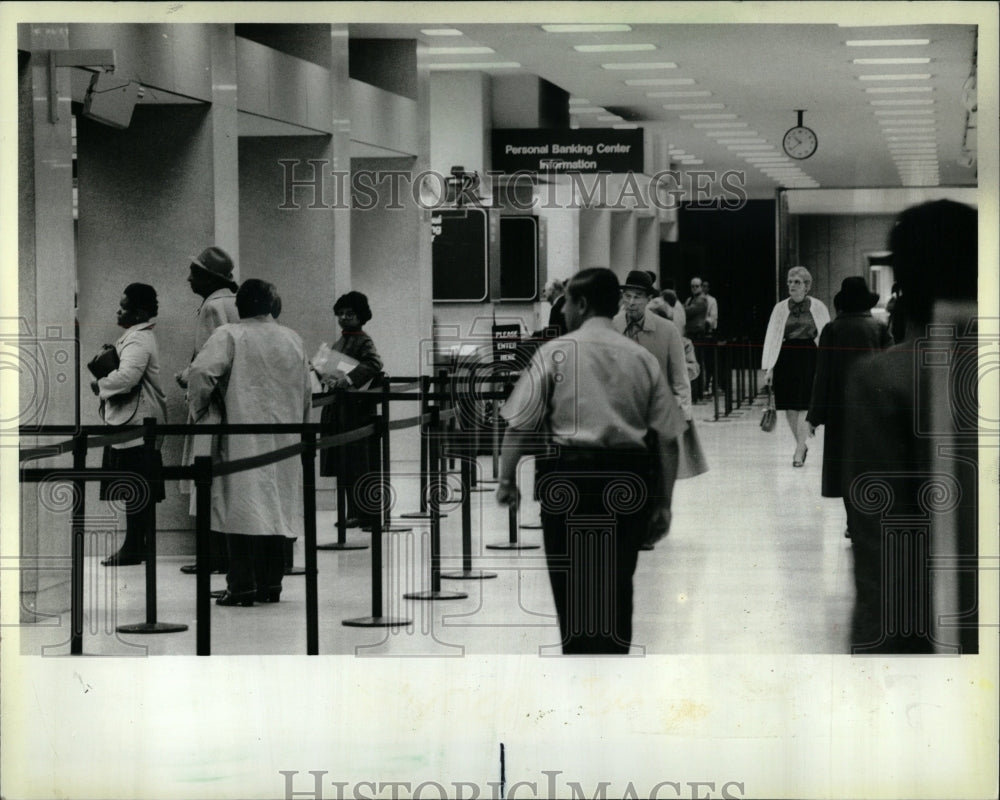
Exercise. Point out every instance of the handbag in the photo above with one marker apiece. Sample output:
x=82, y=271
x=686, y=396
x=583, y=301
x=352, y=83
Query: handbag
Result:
x=770, y=418
x=104, y=363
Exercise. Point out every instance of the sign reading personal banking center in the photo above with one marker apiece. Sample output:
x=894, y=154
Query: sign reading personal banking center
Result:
x=580, y=150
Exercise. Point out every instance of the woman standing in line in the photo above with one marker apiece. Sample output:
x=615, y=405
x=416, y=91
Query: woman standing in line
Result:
x=789, y=357
x=130, y=393
x=352, y=312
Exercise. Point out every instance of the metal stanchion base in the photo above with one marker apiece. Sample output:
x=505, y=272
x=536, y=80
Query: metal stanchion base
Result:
x=152, y=627
x=341, y=546
x=420, y=515
x=530, y=526
x=512, y=546
x=376, y=622
x=390, y=529
x=430, y=594
x=468, y=575
x=216, y=593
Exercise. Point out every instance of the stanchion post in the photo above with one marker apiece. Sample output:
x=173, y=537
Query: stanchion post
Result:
x=377, y=618
x=467, y=573
x=341, y=524
x=309, y=521
x=715, y=380
x=425, y=386
x=77, y=524
x=148, y=461
x=203, y=524
x=386, y=472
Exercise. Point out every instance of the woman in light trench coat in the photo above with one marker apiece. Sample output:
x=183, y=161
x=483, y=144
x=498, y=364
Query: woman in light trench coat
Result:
x=260, y=372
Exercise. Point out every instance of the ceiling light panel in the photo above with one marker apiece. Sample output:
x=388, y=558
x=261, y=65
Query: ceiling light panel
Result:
x=886, y=42
x=898, y=89
x=659, y=82
x=613, y=48
x=874, y=61
x=640, y=65
x=909, y=101
x=587, y=28
x=707, y=116
x=692, y=106
x=680, y=93
x=905, y=76
x=471, y=66
x=476, y=50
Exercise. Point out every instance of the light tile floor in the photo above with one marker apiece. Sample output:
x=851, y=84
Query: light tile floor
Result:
x=756, y=563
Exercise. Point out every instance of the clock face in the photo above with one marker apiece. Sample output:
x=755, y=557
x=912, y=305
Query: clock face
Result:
x=799, y=142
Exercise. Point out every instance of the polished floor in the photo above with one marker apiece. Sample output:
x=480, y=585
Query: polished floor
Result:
x=756, y=563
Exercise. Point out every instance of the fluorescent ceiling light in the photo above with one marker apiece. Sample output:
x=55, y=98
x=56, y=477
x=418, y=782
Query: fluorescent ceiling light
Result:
x=473, y=65
x=891, y=61
x=708, y=116
x=886, y=42
x=928, y=138
x=762, y=158
x=691, y=106
x=897, y=112
x=907, y=121
x=905, y=130
x=681, y=93
x=721, y=124
x=625, y=126
x=898, y=89
x=587, y=110
x=749, y=147
x=730, y=133
x=642, y=65
x=694, y=161
x=578, y=101
x=905, y=102
x=459, y=51
x=659, y=81
x=613, y=48
x=440, y=31
x=740, y=141
x=587, y=28
x=906, y=76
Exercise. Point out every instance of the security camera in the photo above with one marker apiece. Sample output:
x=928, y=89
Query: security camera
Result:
x=110, y=100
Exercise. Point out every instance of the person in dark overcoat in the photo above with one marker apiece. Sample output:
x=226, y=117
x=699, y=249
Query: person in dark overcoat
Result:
x=852, y=334
x=351, y=462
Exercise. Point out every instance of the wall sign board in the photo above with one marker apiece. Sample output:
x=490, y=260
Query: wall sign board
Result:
x=580, y=150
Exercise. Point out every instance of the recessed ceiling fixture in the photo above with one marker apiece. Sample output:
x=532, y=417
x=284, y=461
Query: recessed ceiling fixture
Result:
x=903, y=76
x=886, y=42
x=730, y=133
x=919, y=122
x=641, y=65
x=873, y=61
x=610, y=118
x=440, y=31
x=708, y=116
x=578, y=101
x=681, y=93
x=904, y=130
x=749, y=147
x=659, y=81
x=900, y=112
x=460, y=51
x=613, y=48
x=721, y=124
x=587, y=110
x=691, y=162
x=470, y=66
x=909, y=101
x=898, y=89
x=691, y=106
x=625, y=126
x=741, y=141
x=587, y=28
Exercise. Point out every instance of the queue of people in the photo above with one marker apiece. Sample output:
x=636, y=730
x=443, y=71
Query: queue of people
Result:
x=612, y=397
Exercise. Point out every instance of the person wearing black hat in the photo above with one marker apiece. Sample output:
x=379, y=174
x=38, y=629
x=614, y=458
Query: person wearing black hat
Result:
x=211, y=278
x=852, y=334
x=658, y=335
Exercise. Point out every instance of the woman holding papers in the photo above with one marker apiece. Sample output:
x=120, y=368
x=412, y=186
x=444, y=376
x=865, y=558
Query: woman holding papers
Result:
x=352, y=363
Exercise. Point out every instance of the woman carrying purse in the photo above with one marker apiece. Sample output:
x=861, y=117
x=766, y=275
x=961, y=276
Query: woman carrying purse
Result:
x=130, y=393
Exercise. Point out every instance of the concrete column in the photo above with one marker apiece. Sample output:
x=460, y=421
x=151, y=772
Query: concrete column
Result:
x=225, y=142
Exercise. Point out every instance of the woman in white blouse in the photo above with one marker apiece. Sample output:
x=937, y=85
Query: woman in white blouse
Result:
x=789, y=357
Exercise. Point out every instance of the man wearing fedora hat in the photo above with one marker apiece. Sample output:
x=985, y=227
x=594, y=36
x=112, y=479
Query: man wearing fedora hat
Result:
x=657, y=334
x=211, y=278
x=852, y=334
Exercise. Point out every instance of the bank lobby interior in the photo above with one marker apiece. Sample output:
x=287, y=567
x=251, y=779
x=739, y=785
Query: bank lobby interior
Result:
x=236, y=138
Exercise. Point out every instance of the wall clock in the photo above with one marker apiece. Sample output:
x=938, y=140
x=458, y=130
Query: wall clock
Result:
x=800, y=142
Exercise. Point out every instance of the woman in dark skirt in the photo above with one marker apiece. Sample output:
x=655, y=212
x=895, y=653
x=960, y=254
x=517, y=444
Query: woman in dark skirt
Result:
x=789, y=358
x=129, y=393
x=351, y=461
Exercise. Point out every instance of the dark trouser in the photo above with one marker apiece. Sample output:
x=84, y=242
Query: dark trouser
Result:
x=139, y=487
x=703, y=352
x=594, y=517
x=218, y=552
x=256, y=563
